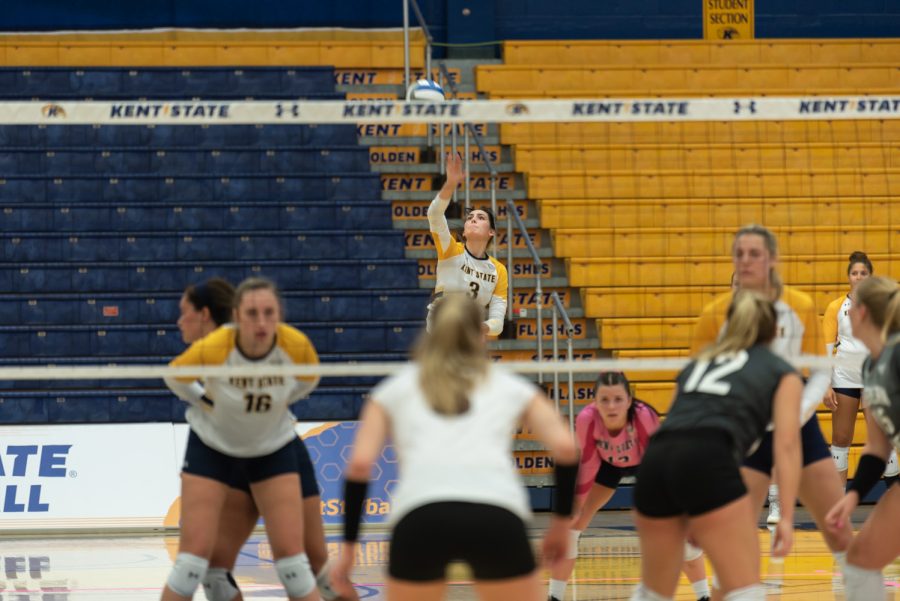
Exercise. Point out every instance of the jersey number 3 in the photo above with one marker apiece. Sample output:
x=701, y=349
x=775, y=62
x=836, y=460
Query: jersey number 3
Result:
x=708, y=378
x=258, y=403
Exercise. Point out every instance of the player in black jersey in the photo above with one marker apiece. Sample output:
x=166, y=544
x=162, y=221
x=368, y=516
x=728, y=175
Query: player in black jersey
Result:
x=689, y=483
x=875, y=318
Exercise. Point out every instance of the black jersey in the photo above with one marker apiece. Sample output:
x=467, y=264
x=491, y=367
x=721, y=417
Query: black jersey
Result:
x=732, y=392
x=881, y=392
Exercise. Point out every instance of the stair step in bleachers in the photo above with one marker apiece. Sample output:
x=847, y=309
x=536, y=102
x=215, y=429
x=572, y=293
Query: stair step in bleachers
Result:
x=152, y=276
x=713, y=183
x=176, y=136
x=178, y=162
x=165, y=82
x=201, y=246
x=530, y=158
x=165, y=339
x=141, y=308
x=722, y=212
x=700, y=52
x=197, y=188
x=711, y=270
x=24, y=216
x=703, y=132
x=704, y=241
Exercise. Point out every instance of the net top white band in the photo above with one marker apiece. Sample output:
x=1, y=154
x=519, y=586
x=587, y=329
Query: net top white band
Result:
x=224, y=112
x=142, y=372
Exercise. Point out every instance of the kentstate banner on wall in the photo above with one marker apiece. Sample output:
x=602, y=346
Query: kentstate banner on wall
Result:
x=116, y=476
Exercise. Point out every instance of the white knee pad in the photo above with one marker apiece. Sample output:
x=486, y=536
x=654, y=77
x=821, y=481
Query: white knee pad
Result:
x=754, y=592
x=892, y=468
x=642, y=593
x=187, y=574
x=863, y=585
x=691, y=552
x=323, y=583
x=219, y=585
x=574, y=537
x=296, y=575
x=841, y=456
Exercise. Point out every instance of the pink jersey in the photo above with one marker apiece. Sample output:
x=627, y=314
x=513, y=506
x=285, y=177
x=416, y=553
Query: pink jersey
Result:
x=625, y=449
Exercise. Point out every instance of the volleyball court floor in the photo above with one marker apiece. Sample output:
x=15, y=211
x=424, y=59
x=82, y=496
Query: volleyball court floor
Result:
x=133, y=568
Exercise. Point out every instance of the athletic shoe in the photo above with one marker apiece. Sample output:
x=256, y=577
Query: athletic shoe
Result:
x=774, y=511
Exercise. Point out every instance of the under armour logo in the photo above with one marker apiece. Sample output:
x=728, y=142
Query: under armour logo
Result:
x=740, y=107
x=290, y=576
x=193, y=575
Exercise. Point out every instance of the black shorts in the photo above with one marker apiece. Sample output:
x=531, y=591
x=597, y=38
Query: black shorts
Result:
x=855, y=393
x=202, y=460
x=609, y=475
x=492, y=540
x=687, y=473
x=812, y=443
x=309, y=486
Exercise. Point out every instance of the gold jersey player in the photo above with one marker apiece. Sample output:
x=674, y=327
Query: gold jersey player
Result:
x=465, y=267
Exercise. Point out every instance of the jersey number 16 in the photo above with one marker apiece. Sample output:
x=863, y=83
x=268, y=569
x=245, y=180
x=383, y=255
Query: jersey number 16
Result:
x=258, y=402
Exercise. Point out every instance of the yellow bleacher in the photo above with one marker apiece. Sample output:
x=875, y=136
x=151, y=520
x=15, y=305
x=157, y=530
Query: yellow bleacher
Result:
x=700, y=52
x=722, y=212
x=671, y=79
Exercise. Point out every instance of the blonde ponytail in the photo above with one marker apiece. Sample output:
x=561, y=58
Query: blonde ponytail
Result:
x=452, y=356
x=881, y=296
x=751, y=320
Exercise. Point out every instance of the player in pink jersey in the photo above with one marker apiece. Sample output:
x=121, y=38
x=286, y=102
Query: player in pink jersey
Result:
x=613, y=432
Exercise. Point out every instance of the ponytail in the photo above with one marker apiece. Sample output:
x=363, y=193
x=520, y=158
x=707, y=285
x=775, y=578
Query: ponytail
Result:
x=751, y=320
x=881, y=296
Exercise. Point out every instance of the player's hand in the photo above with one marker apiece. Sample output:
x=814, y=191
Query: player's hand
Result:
x=783, y=538
x=830, y=399
x=838, y=516
x=556, y=541
x=455, y=173
x=340, y=571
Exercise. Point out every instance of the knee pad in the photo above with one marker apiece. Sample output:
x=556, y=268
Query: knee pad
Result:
x=861, y=584
x=574, y=537
x=754, y=592
x=187, y=574
x=691, y=552
x=841, y=456
x=323, y=583
x=893, y=468
x=642, y=593
x=296, y=575
x=219, y=585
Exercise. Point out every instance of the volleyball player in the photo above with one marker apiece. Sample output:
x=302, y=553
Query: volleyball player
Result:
x=203, y=308
x=875, y=315
x=451, y=415
x=241, y=427
x=689, y=482
x=612, y=433
x=846, y=380
x=755, y=257
x=466, y=266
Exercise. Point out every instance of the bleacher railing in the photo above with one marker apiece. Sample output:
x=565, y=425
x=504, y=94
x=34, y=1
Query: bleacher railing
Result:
x=559, y=311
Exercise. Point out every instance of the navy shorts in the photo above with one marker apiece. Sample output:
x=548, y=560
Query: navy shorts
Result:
x=202, y=460
x=491, y=539
x=855, y=393
x=609, y=475
x=309, y=486
x=689, y=472
x=812, y=443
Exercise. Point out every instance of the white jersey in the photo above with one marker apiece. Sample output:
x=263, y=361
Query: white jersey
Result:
x=244, y=416
x=839, y=340
x=465, y=457
x=458, y=271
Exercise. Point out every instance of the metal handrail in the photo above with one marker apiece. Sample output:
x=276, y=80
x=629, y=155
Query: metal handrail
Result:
x=560, y=310
x=513, y=216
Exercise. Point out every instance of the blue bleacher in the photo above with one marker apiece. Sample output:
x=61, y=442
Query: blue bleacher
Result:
x=102, y=227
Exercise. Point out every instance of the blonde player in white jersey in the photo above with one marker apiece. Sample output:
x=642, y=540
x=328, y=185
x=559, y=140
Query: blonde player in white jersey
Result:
x=451, y=416
x=243, y=426
x=466, y=266
x=846, y=380
x=755, y=257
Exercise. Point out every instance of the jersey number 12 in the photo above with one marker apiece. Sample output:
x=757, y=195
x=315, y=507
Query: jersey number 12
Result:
x=709, y=379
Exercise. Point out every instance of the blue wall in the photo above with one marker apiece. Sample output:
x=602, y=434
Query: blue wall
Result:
x=501, y=19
